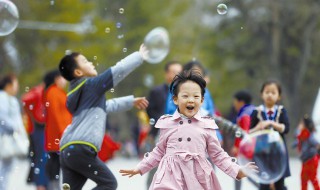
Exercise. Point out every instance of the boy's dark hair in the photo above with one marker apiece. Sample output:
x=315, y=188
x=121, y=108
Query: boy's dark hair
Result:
x=168, y=64
x=185, y=76
x=67, y=66
x=49, y=77
x=244, y=96
x=7, y=79
x=271, y=81
x=191, y=64
x=308, y=123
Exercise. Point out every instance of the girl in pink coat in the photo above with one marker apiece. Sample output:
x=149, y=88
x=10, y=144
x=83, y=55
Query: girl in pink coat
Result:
x=186, y=138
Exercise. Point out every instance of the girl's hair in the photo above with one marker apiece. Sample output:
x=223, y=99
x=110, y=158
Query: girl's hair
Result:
x=67, y=66
x=7, y=79
x=185, y=76
x=268, y=82
x=308, y=123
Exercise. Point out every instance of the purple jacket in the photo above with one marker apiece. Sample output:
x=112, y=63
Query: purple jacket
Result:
x=181, y=154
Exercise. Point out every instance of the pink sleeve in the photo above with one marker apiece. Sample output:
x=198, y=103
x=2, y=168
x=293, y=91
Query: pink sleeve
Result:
x=152, y=159
x=219, y=157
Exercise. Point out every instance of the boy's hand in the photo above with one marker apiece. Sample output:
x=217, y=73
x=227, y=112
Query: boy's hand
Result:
x=140, y=103
x=129, y=173
x=143, y=51
x=251, y=166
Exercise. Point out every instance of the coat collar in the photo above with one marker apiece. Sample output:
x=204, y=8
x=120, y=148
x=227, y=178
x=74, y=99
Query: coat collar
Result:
x=177, y=115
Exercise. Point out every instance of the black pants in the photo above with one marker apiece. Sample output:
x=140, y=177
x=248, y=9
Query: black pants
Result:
x=79, y=163
x=279, y=185
x=53, y=166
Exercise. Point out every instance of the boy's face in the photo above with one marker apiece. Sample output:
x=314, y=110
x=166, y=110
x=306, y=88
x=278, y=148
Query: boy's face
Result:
x=189, y=99
x=85, y=68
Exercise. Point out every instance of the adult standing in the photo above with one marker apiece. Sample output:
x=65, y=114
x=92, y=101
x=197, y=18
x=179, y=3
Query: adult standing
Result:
x=10, y=120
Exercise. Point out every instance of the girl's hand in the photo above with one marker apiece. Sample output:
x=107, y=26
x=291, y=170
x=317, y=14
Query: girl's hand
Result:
x=265, y=124
x=143, y=51
x=140, y=103
x=129, y=173
x=249, y=167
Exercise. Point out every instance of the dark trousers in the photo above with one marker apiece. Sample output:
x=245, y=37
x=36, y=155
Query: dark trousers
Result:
x=279, y=185
x=79, y=163
x=53, y=166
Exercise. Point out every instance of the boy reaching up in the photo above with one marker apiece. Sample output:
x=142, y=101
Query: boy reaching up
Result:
x=87, y=103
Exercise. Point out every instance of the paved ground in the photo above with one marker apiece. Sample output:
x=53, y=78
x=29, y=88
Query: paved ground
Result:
x=18, y=177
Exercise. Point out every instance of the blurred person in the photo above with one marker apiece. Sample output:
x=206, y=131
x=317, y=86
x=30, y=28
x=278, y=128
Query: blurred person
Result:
x=271, y=115
x=82, y=139
x=161, y=102
x=10, y=120
x=242, y=105
x=57, y=119
x=308, y=147
x=34, y=107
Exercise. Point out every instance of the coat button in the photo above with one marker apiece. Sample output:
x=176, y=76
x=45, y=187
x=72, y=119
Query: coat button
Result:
x=189, y=139
x=189, y=121
x=146, y=154
x=179, y=139
x=181, y=122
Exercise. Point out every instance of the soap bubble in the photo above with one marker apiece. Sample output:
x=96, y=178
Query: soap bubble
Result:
x=267, y=149
x=222, y=9
x=152, y=121
x=157, y=42
x=9, y=17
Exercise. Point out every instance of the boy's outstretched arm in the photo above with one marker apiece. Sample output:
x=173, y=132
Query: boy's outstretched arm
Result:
x=112, y=76
x=126, y=103
x=124, y=67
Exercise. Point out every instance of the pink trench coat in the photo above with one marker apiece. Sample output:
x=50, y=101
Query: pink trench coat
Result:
x=181, y=155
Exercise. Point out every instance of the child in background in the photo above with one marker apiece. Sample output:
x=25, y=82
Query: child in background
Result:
x=185, y=139
x=86, y=101
x=242, y=104
x=308, y=147
x=267, y=115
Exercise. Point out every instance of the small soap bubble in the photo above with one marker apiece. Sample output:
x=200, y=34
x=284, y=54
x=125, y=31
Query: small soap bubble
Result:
x=67, y=52
x=238, y=134
x=47, y=104
x=124, y=50
x=107, y=30
x=56, y=141
x=95, y=172
x=118, y=25
x=65, y=186
x=151, y=121
x=112, y=90
x=95, y=57
x=51, y=2
x=222, y=9
x=27, y=89
x=36, y=171
x=121, y=10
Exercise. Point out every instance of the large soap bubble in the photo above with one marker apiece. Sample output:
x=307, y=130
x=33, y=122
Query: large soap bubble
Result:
x=9, y=17
x=157, y=42
x=267, y=149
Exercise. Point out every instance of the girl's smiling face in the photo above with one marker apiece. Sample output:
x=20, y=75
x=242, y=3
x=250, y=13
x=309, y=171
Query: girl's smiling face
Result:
x=189, y=98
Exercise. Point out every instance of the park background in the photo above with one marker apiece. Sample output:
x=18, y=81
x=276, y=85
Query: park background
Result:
x=254, y=41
